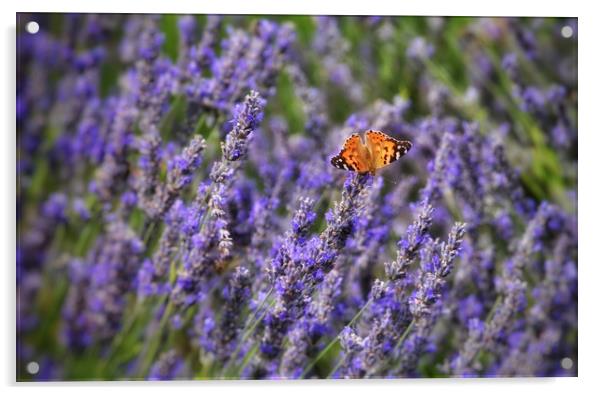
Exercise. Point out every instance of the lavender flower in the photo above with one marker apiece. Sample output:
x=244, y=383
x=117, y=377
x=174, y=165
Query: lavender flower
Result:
x=428, y=293
x=420, y=49
x=299, y=268
x=410, y=244
x=215, y=235
x=513, y=296
x=167, y=366
x=306, y=334
x=152, y=275
x=115, y=261
x=236, y=296
x=181, y=173
x=115, y=166
x=203, y=53
x=333, y=48
x=147, y=184
x=391, y=316
x=246, y=118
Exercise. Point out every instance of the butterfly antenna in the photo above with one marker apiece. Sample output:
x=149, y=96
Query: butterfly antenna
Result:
x=388, y=180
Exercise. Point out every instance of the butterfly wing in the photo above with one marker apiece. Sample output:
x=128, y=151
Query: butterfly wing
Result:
x=385, y=149
x=353, y=156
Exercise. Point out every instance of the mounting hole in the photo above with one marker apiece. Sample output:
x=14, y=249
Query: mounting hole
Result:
x=32, y=27
x=566, y=363
x=566, y=31
x=33, y=367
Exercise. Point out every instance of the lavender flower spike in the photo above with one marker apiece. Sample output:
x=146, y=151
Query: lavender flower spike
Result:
x=167, y=366
x=423, y=302
x=237, y=294
x=411, y=243
x=247, y=117
x=181, y=171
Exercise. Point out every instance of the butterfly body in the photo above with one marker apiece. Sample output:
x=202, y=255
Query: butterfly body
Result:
x=377, y=151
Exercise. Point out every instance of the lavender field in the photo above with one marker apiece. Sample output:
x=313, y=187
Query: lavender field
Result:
x=178, y=215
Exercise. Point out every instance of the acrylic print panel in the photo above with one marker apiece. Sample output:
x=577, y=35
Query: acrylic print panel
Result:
x=261, y=197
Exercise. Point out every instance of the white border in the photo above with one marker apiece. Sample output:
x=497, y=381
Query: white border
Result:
x=331, y=7
x=590, y=90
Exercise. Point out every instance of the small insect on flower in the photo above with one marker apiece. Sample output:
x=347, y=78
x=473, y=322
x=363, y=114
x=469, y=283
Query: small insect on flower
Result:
x=376, y=152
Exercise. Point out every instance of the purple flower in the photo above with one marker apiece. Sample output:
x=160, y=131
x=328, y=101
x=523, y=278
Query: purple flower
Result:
x=112, y=265
x=55, y=208
x=410, y=243
x=420, y=49
x=236, y=296
x=167, y=367
x=81, y=209
x=246, y=118
x=180, y=173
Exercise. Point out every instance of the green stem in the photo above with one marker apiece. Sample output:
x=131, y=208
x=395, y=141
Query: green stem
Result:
x=118, y=340
x=248, y=329
x=399, y=343
x=335, y=368
x=405, y=334
x=498, y=300
x=155, y=342
x=487, y=320
x=333, y=341
x=148, y=232
x=247, y=359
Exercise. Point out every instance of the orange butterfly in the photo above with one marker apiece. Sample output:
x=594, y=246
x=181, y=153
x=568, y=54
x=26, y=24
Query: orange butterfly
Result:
x=378, y=151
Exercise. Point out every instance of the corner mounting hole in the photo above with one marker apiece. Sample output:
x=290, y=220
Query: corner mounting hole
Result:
x=32, y=27
x=566, y=31
x=566, y=363
x=33, y=367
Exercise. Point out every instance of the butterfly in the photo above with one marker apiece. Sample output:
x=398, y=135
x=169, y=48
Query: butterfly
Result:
x=376, y=152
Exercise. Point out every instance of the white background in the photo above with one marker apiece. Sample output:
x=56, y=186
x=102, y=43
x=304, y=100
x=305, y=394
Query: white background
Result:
x=590, y=197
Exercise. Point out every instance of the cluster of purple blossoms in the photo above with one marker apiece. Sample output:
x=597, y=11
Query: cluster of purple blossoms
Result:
x=178, y=216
